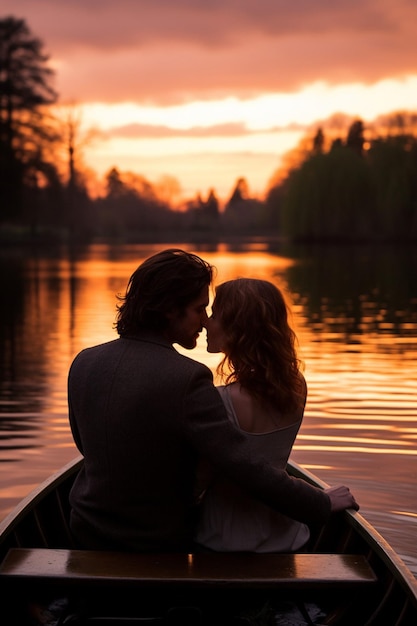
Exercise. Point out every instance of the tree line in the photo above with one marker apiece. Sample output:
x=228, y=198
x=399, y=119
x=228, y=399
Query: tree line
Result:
x=360, y=188
x=345, y=182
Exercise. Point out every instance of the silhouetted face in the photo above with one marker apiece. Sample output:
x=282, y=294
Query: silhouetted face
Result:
x=185, y=326
x=216, y=337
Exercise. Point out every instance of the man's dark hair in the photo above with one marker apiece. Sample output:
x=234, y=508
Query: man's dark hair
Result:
x=167, y=281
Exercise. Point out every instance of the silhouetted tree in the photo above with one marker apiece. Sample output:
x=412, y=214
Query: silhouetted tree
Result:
x=351, y=194
x=24, y=133
x=336, y=144
x=131, y=209
x=355, y=138
x=272, y=213
x=399, y=123
x=329, y=198
x=212, y=205
x=76, y=208
x=318, y=142
x=242, y=213
x=239, y=193
x=202, y=216
x=115, y=187
x=393, y=166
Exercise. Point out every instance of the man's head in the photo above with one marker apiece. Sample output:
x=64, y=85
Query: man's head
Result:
x=161, y=291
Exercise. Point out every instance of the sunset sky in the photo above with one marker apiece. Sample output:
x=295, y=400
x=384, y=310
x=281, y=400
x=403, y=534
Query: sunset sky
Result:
x=209, y=91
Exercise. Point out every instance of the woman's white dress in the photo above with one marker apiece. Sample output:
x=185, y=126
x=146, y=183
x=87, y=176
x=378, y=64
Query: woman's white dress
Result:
x=231, y=520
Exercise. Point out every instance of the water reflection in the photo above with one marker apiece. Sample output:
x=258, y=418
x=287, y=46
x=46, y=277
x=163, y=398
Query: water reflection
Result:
x=353, y=292
x=355, y=313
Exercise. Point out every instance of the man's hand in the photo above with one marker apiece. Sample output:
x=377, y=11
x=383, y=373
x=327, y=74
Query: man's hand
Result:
x=341, y=499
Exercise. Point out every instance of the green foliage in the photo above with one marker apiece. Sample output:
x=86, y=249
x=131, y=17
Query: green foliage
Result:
x=328, y=197
x=349, y=193
x=393, y=165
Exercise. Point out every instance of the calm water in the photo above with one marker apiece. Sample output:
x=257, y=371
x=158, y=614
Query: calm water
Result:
x=355, y=313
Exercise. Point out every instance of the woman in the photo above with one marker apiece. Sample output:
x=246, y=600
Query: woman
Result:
x=265, y=395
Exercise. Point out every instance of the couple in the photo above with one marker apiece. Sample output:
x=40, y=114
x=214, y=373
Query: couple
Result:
x=155, y=431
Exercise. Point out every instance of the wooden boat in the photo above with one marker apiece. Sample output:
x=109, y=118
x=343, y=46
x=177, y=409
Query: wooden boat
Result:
x=350, y=575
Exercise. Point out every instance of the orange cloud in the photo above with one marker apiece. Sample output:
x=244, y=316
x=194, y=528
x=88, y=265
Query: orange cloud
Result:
x=162, y=52
x=148, y=131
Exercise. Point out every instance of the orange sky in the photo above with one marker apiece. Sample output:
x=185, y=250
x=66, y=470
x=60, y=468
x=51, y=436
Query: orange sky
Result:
x=211, y=91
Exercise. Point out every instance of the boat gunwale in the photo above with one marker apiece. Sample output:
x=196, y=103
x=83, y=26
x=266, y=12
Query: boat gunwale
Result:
x=369, y=533
x=29, y=502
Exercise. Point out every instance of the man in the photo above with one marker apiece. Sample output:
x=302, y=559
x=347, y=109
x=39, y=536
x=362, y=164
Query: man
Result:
x=142, y=414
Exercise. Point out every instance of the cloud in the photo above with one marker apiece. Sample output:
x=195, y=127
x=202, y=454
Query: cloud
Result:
x=105, y=24
x=149, y=131
x=164, y=52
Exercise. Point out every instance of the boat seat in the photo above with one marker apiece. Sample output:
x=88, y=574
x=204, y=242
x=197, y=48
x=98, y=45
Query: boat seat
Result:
x=94, y=569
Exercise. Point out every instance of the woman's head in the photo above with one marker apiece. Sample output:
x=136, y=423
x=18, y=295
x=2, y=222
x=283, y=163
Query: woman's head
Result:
x=250, y=325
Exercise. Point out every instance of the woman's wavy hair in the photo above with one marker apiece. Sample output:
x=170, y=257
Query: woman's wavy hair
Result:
x=260, y=344
x=167, y=281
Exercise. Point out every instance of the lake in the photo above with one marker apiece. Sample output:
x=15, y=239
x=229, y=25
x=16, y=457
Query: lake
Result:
x=355, y=315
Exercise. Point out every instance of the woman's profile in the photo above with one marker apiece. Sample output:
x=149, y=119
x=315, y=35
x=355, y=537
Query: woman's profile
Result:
x=265, y=395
